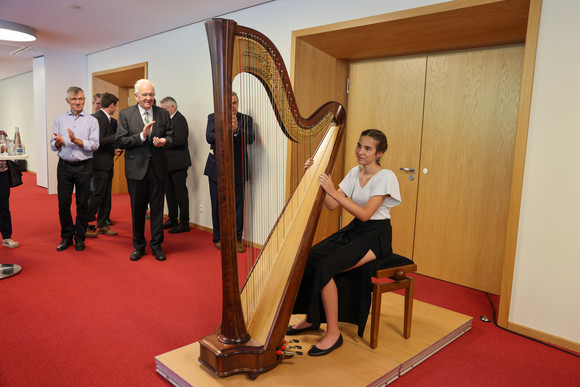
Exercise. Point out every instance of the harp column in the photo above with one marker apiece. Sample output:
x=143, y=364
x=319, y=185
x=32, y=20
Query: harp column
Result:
x=221, y=38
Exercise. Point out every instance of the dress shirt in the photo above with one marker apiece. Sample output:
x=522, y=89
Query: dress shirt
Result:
x=107, y=114
x=85, y=128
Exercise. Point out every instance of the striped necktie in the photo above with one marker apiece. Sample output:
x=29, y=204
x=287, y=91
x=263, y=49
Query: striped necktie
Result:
x=146, y=121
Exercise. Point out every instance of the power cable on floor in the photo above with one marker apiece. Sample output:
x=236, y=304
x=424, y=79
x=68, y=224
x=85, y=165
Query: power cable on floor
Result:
x=527, y=337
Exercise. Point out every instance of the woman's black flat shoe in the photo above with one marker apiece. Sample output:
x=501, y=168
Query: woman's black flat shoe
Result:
x=315, y=351
x=293, y=331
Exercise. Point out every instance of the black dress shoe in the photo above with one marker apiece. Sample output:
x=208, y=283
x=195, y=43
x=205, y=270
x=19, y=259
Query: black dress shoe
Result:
x=295, y=331
x=159, y=254
x=181, y=228
x=137, y=254
x=315, y=351
x=79, y=245
x=64, y=244
x=170, y=224
x=109, y=222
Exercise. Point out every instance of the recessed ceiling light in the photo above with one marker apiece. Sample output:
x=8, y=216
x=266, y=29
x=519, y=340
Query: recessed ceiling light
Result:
x=16, y=32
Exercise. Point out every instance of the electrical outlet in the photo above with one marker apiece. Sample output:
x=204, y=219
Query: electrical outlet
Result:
x=201, y=210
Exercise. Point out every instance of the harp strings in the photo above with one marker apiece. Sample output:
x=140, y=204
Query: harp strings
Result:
x=258, y=79
x=264, y=190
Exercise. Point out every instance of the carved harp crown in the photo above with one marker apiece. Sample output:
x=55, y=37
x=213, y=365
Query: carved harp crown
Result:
x=254, y=321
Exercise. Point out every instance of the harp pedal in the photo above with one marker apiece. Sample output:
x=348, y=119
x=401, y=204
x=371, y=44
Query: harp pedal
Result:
x=290, y=341
x=291, y=347
x=288, y=353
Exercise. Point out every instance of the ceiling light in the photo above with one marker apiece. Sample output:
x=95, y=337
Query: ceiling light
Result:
x=16, y=32
x=20, y=50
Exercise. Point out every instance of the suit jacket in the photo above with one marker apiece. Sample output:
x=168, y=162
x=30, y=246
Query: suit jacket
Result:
x=114, y=124
x=178, y=153
x=246, y=127
x=137, y=152
x=103, y=158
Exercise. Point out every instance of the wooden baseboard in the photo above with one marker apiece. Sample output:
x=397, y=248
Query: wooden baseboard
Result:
x=198, y=226
x=545, y=337
x=210, y=230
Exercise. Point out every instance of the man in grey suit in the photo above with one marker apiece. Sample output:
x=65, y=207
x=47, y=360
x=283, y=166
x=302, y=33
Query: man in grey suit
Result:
x=178, y=161
x=144, y=130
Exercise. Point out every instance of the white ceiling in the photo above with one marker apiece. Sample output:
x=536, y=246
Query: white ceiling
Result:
x=87, y=26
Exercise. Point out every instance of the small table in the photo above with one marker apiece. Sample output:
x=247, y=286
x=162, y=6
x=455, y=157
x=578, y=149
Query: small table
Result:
x=9, y=269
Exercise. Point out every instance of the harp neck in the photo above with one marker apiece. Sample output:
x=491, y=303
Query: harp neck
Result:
x=255, y=54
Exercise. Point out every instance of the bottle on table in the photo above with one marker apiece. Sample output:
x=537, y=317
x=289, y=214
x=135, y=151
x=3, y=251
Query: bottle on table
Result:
x=18, y=142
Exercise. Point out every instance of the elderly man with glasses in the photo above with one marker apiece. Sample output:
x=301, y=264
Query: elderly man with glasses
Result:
x=144, y=130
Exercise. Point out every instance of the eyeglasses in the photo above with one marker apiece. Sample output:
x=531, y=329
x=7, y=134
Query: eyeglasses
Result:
x=76, y=99
x=145, y=95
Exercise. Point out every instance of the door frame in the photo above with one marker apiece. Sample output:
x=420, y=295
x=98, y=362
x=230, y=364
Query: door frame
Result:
x=454, y=25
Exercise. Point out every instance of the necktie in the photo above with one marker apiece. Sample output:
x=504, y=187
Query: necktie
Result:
x=146, y=121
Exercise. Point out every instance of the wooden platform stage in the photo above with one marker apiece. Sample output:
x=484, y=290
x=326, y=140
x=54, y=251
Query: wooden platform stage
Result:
x=353, y=364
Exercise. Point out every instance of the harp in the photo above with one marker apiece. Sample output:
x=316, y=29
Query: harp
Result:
x=254, y=321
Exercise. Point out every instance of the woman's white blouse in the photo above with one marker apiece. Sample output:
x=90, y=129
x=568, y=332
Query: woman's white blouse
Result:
x=382, y=183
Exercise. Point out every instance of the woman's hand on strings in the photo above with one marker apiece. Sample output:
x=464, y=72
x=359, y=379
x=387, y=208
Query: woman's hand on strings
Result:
x=331, y=199
x=308, y=163
x=327, y=184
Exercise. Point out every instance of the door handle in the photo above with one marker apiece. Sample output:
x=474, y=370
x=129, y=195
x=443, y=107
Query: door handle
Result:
x=408, y=169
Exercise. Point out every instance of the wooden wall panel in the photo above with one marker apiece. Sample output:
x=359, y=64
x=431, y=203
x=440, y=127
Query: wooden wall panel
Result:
x=317, y=78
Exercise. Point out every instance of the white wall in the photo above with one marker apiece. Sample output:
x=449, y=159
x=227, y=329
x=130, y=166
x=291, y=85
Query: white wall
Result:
x=17, y=109
x=61, y=70
x=546, y=288
x=40, y=120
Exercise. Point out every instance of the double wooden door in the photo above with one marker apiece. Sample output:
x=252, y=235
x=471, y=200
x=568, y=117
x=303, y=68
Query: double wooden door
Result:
x=450, y=120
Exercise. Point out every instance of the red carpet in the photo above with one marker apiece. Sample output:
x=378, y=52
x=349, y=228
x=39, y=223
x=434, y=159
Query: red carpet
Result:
x=94, y=318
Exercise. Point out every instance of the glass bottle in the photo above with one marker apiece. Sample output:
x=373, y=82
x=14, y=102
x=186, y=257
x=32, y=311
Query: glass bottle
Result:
x=18, y=142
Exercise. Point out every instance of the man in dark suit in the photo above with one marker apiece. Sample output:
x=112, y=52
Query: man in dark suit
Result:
x=103, y=166
x=243, y=136
x=178, y=161
x=118, y=152
x=144, y=130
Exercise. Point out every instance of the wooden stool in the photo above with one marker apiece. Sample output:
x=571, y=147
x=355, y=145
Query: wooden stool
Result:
x=396, y=269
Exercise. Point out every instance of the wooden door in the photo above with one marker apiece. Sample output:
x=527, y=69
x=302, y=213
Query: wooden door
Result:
x=471, y=105
x=120, y=81
x=126, y=99
x=387, y=94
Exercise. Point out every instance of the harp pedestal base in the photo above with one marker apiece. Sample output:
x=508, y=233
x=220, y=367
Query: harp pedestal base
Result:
x=228, y=359
x=353, y=364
